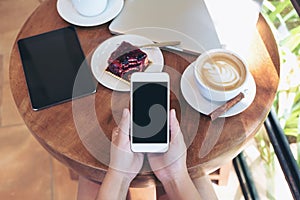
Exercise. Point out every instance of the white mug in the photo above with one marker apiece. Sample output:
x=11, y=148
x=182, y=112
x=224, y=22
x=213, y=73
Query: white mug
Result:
x=89, y=8
x=221, y=74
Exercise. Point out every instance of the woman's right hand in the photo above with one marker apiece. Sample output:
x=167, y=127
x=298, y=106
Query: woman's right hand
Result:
x=172, y=164
x=170, y=167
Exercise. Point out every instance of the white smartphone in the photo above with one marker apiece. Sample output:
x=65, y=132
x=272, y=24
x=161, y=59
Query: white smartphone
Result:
x=149, y=105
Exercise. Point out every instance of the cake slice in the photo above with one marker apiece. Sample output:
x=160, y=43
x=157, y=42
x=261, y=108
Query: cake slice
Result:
x=125, y=60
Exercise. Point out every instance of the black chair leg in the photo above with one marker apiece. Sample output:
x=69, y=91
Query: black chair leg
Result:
x=245, y=178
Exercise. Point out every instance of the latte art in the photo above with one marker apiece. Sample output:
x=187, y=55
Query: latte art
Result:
x=220, y=74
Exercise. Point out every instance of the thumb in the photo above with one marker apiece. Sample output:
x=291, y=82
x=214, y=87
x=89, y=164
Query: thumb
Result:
x=124, y=126
x=174, y=126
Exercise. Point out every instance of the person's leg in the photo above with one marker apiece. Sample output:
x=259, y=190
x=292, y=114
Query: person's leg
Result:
x=205, y=188
x=87, y=190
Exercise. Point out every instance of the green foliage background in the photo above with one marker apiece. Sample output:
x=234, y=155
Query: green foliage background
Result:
x=285, y=24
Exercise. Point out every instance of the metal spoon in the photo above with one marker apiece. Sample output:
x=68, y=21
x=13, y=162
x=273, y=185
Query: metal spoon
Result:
x=160, y=44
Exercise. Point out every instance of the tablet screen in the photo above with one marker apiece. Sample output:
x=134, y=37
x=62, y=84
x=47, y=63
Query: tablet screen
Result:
x=55, y=68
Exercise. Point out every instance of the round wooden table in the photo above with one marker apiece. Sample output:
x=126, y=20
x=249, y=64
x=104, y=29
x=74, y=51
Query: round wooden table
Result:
x=210, y=144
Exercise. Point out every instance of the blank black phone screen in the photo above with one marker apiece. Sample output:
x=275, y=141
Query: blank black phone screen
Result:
x=149, y=110
x=54, y=64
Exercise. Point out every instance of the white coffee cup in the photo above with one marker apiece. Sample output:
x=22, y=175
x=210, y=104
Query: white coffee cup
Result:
x=90, y=8
x=221, y=74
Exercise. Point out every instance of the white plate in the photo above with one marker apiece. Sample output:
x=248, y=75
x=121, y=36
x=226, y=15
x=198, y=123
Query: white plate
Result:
x=201, y=104
x=67, y=12
x=104, y=50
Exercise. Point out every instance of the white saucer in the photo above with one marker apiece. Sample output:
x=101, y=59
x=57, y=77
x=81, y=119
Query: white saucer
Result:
x=67, y=12
x=201, y=104
x=104, y=50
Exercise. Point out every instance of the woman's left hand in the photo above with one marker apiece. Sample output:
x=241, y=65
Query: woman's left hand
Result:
x=122, y=160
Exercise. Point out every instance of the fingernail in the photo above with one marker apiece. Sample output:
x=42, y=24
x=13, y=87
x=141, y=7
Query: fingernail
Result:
x=173, y=112
x=125, y=112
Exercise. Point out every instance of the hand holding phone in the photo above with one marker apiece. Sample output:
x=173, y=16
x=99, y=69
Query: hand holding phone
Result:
x=150, y=112
x=122, y=160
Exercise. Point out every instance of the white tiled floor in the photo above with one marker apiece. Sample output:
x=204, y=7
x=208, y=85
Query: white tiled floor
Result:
x=27, y=171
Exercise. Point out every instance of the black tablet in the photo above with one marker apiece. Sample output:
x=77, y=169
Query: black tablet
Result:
x=55, y=68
